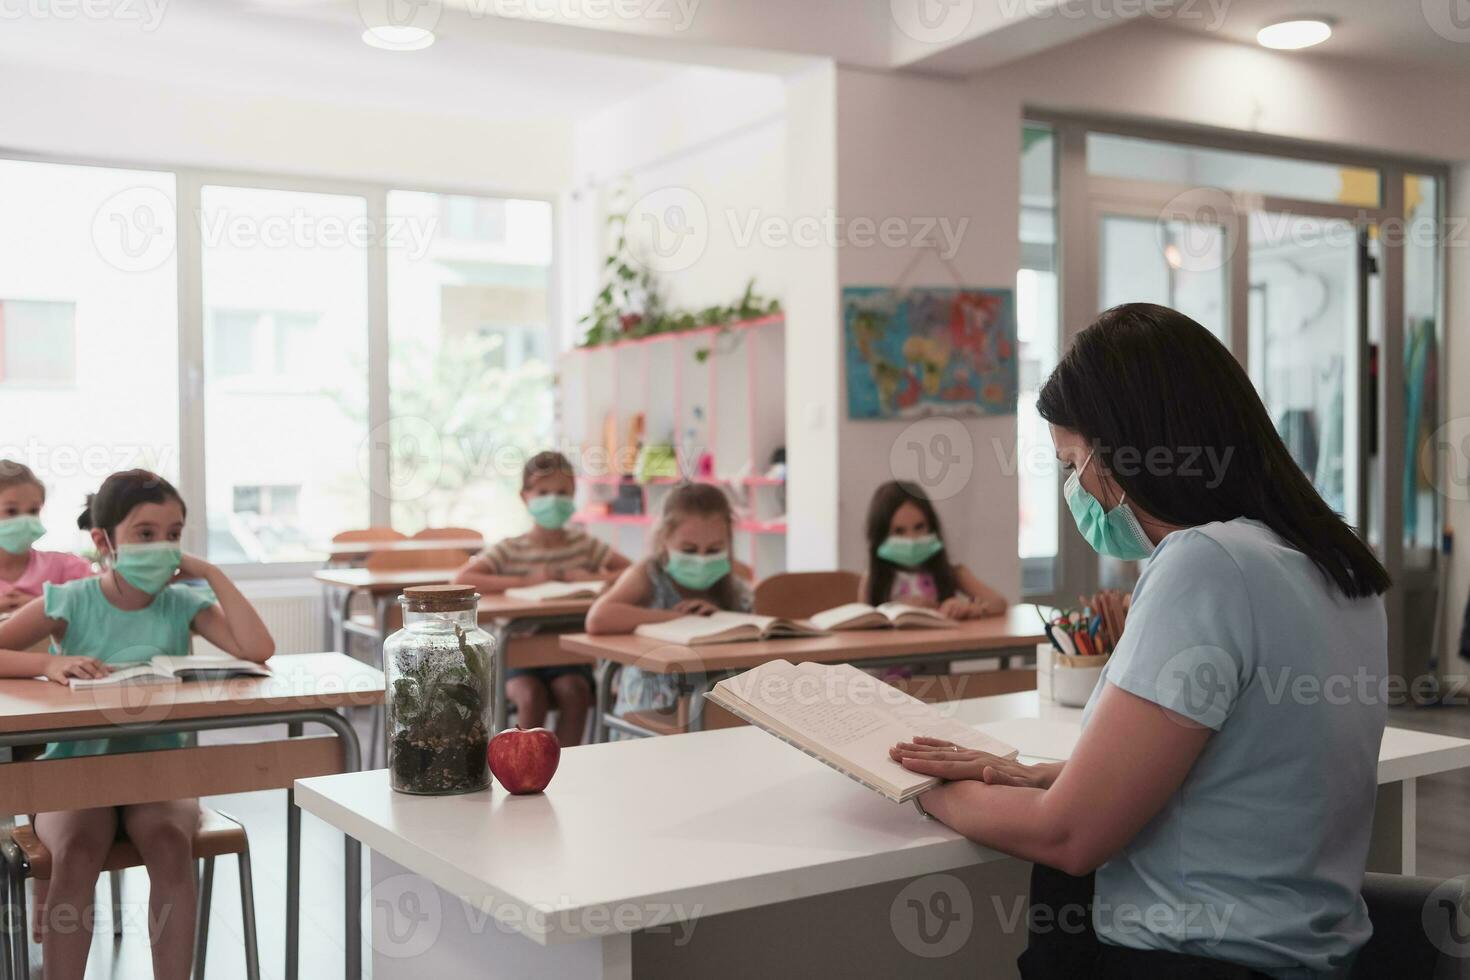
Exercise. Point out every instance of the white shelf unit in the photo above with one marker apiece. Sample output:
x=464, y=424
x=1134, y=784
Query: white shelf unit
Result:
x=731, y=403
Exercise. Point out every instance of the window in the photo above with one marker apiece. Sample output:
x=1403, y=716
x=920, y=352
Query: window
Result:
x=310, y=423
x=1231, y=170
x=288, y=389
x=1038, y=331
x=267, y=346
x=474, y=219
x=470, y=370
x=37, y=342
x=90, y=354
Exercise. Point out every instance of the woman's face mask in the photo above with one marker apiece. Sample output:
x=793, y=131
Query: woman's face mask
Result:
x=1115, y=533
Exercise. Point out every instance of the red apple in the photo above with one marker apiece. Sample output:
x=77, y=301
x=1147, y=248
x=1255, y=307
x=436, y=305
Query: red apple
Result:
x=524, y=759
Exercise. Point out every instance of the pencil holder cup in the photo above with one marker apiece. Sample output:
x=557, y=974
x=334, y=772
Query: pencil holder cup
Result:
x=1065, y=679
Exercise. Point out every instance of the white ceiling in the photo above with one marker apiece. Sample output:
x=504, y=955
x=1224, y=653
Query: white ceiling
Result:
x=559, y=69
x=1423, y=32
x=312, y=50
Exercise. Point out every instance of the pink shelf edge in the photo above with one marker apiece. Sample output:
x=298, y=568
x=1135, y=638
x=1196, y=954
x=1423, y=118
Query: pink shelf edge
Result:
x=760, y=321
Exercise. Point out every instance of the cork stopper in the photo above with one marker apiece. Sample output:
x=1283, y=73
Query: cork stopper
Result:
x=439, y=598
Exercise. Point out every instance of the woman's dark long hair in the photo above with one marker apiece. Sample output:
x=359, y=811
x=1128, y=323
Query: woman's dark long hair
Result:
x=887, y=499
x=1182, y=431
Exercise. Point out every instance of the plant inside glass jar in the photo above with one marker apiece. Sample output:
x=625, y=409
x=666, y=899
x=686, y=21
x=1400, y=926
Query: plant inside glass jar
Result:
x=439, y=736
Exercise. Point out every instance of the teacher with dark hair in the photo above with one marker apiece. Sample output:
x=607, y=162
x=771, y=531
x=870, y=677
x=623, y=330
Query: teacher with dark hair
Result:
x=1214, y=819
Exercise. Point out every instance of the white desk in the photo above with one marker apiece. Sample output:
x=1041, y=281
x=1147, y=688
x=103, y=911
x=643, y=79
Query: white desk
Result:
x=721, y=853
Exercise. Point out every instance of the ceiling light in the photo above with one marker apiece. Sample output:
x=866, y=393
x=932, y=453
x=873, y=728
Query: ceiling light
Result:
x=392, y=37
x=1293, y=35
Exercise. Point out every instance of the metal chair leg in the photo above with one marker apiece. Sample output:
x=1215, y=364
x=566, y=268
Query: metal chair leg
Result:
x=18, y=951
x=114, y=882
x=247, y=917
x=201, y=919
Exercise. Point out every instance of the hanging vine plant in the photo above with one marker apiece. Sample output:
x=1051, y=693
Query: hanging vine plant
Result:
x=630, y=304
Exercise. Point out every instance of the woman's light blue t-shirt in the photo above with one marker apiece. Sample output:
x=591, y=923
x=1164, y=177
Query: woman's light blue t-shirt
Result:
x=118, y=637
x=1258, y=857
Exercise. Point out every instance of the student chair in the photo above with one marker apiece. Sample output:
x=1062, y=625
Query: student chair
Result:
x=797, y=595
x=449, y=534
x=1419, y=924
x=218, y=834
x=367, y=535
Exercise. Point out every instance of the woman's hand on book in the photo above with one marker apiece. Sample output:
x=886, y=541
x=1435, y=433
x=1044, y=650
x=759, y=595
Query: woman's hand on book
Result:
x=62, y=669
x=696, y=607
x=936, y=757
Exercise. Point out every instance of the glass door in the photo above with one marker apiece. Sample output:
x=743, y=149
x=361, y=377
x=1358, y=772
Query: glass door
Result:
x=1307, y=340
x=1175, y=253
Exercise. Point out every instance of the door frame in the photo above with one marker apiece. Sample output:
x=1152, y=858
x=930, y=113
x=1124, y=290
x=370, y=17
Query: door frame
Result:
x=1080, y=200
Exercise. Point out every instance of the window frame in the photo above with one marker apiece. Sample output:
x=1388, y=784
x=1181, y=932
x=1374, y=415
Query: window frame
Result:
x=189, y=183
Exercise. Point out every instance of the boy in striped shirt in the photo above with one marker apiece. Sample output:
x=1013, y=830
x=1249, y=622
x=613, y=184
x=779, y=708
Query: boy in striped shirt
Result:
x=550, y=551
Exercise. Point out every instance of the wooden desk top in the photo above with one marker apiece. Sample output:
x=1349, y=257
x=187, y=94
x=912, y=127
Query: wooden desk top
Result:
x=298, y=682
x=503, y=607
x=379, y=583
x=1019, y=627
x=345, y=549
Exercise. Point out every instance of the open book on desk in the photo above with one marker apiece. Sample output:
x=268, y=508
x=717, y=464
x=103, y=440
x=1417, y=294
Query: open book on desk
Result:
x=897, y=615
x=726, y=627
x=172, y=670
x=552, y=591
x=846, y=718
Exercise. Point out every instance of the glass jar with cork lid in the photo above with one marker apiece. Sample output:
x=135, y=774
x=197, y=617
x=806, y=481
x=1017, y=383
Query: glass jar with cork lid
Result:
x=441, y=670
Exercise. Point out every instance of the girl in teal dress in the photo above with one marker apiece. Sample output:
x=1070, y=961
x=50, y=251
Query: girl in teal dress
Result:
x=689, y=573
x=135, y=610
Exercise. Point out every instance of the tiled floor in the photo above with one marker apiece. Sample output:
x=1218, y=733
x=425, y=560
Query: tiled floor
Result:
x=1444, y=850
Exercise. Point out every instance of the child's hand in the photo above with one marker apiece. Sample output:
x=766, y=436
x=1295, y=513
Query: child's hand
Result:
x=11, y=601
x=193, y=567
x=696, y=607
x=955, y=607
x=583, y=575
x=986, y=607
x=61, y=669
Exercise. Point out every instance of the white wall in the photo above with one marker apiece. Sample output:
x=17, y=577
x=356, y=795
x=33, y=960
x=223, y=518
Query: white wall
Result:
x=77, y=114
x=920, y=148
x=701, y=164
x=709, y=141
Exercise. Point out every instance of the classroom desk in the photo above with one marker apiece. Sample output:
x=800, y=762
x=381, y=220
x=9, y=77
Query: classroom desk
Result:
x=1015, y=633
x=338, y=550
x=760, y=861
x=339, y=585
x=502, y=617
x=302, y=689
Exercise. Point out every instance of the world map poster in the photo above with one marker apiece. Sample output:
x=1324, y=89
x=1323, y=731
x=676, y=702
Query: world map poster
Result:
x=929, y=351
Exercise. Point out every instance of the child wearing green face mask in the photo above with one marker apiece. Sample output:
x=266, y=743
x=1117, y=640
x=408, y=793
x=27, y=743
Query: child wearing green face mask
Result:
x=25, y=570
x=690, y=573
x=131, y=612
x=907, y=561
x=550, y=551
